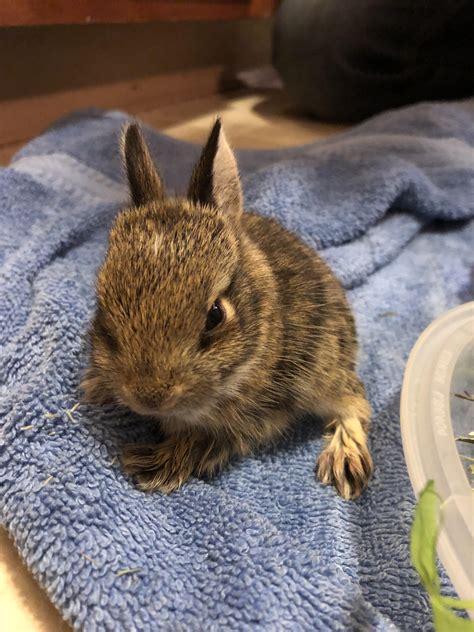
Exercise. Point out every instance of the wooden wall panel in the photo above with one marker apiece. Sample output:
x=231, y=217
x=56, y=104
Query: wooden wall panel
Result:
x=48, y=71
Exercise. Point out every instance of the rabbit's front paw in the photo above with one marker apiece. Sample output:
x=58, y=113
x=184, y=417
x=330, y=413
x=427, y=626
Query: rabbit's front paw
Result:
x=345, y=462
x=163, y=467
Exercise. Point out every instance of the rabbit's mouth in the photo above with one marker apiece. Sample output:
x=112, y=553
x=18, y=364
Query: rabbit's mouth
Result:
x=179, y=414
x=188, y=416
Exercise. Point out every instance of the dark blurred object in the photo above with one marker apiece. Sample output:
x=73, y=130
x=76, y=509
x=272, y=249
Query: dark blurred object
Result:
x=345, y=60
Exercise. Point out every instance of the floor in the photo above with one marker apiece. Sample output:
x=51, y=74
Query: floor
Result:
x=256, y=119
x=253, y=119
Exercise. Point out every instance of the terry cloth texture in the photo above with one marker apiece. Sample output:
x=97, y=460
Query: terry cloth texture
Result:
x=263, y=546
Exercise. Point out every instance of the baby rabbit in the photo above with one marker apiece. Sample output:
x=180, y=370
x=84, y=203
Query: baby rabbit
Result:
x=223, y=326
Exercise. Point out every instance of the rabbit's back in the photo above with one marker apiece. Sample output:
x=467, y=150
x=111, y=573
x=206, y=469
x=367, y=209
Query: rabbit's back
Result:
x=319, y=333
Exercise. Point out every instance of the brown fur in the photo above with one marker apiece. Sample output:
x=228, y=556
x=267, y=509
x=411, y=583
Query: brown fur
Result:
x=288, y=346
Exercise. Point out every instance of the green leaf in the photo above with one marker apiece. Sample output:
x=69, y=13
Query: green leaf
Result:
x=458, y=604
x=424, y=536
x=446, y=621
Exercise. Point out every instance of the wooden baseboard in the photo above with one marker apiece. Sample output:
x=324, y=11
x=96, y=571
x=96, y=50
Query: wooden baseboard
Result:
x=36, y=12
x=20, y=119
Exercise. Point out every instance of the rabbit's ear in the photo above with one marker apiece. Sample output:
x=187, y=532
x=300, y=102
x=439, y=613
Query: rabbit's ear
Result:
x=215, y=178
x=143, y=179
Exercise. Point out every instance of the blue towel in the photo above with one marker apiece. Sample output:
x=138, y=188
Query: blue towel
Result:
x=263, y=546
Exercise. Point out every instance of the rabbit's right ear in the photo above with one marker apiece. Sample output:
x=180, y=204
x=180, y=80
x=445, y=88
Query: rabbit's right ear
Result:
x=143, y=179
x=215, y=178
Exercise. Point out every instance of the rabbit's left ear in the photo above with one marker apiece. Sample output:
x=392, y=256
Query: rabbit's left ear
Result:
x=215, y=178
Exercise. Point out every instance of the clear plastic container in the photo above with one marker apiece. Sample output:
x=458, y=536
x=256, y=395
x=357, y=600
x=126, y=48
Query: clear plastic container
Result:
x=435, y=410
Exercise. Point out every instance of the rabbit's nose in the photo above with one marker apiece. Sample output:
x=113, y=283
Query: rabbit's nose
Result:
x=150, y=400
x=154, y=399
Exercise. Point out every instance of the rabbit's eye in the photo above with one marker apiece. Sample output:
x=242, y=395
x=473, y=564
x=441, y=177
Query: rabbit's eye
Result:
x=215, y=316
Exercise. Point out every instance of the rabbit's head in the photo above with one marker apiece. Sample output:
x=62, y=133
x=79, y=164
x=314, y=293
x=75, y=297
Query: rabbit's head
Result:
x=180, y=306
